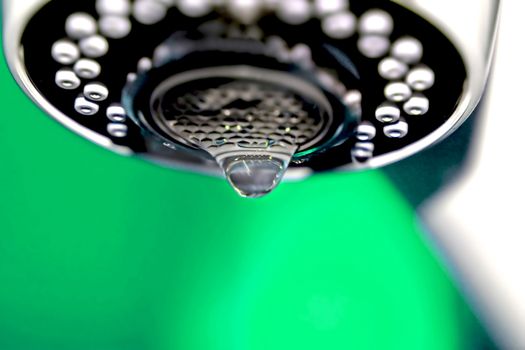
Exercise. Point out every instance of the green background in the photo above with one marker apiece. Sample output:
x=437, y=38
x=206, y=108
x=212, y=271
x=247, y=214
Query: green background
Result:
x=99, y=252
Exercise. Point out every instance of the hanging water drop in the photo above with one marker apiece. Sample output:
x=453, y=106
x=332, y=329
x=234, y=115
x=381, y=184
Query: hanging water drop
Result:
x=254, y=176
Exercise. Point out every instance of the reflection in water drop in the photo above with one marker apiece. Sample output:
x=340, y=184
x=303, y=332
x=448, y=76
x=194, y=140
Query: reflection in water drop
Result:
x=254, y=176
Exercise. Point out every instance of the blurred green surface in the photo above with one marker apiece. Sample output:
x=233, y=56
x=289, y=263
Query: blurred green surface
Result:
x=101, y=252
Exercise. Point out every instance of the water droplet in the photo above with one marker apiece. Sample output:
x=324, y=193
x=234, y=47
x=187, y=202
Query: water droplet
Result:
x=254, y=176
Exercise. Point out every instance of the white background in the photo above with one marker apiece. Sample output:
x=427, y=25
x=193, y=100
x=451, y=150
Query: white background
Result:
x=479, y=221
